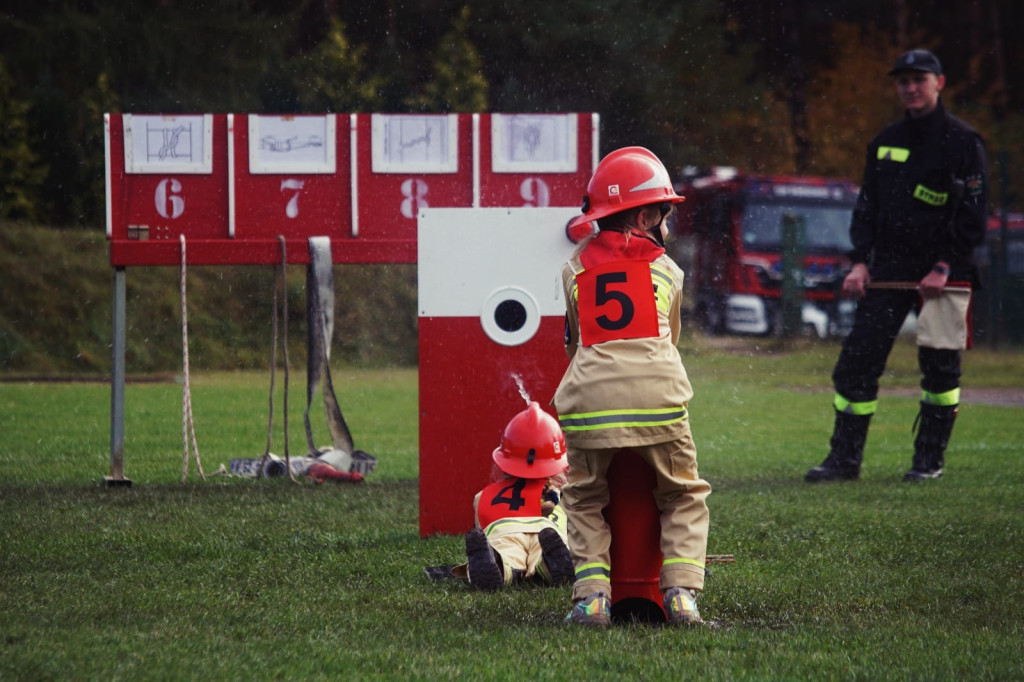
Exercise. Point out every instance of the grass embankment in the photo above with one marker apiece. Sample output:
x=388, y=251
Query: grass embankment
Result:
x=233, y=579
x=55, y=314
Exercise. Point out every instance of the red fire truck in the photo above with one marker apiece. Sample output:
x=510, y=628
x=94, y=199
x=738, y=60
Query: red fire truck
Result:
x=998, y=307
x=729, y=241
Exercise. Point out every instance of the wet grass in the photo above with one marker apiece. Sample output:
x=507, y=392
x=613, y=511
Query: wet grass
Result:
x=242, y=579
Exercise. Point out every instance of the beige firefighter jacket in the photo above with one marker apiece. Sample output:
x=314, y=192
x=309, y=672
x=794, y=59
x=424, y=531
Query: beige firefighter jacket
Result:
x=624, y=392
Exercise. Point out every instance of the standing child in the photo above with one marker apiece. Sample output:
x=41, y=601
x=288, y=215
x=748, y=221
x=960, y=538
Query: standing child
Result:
x=626, y=388
x=520, y=527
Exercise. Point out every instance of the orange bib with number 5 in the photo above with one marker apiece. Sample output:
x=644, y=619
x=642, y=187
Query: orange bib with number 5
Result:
x=616, y=301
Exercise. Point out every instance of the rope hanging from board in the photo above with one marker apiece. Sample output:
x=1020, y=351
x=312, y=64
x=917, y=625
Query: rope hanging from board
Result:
x=280, y=276
x=188, y=428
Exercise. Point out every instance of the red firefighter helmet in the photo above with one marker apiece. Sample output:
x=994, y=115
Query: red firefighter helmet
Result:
x=577, y=231
x=533, y=445
x=628, y=177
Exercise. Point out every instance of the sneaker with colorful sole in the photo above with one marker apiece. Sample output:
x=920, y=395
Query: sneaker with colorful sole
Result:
x=594, y=611
x=681, y=606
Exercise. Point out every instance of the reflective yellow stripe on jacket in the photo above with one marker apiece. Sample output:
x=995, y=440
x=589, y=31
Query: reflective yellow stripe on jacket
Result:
x=525, y=524
x=663, y=282
x=612, y=419
x=894, y=154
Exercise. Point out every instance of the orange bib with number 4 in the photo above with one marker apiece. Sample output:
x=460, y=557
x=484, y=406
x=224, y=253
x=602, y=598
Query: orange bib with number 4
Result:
x=616, y=301
x=509, y=498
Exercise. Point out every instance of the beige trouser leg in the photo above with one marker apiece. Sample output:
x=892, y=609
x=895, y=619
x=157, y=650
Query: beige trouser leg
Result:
x=584, y=499
x=680, y=495
x=517, y=540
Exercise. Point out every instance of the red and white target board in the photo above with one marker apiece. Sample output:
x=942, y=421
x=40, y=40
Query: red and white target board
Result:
x=491, y=329
x=249, y=189
x=236, y=185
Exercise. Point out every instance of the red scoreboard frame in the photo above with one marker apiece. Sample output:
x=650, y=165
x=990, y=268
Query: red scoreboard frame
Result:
x=234, y=184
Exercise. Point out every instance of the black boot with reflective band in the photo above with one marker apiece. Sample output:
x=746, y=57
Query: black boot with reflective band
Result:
x=847, y=450
x=934, y=427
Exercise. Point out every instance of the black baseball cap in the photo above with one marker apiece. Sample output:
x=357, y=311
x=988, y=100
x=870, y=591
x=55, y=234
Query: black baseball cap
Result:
x=917, y=60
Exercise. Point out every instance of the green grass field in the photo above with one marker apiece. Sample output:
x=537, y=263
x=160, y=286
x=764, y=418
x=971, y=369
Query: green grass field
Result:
x=242, y=579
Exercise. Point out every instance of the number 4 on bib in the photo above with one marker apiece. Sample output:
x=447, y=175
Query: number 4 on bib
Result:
x=616, y=301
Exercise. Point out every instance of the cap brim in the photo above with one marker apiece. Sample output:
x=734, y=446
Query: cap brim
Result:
x=904, y=69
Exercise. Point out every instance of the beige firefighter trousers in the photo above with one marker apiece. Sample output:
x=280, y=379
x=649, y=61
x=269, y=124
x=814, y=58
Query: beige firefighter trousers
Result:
x=680, y=494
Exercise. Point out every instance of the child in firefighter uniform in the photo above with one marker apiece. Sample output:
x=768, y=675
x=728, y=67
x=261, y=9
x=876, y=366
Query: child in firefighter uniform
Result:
x=520, y=526
x=626, y=387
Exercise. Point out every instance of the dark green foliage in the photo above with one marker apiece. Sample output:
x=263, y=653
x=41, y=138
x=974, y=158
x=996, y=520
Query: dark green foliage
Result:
x=726, y=82
x=21, y=169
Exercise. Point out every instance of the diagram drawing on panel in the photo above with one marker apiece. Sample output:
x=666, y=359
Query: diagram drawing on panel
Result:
x=533, y=143
x=159, y=144
x=292, y=144
x=163, y=143
x=410, y=143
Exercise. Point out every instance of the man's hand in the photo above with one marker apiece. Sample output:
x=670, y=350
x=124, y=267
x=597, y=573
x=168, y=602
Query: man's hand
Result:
x=853, y=285
x=932, y=284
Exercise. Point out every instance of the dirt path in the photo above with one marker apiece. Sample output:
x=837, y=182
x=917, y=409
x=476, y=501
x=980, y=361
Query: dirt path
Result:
x=1003, y=397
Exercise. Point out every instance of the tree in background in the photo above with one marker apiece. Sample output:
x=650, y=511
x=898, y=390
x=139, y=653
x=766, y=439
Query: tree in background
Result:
x=770, y=86
x=458, y=83
x=21, y=170
x=72, y=61
x=578, y=55
x=709, y=101
x=333, y=76
x=852, y=98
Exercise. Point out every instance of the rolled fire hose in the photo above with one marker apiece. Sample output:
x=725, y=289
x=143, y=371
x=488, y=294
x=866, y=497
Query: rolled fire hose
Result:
x=320, y=331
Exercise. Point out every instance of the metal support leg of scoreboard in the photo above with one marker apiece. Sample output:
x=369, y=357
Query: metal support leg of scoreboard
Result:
x=117, y=381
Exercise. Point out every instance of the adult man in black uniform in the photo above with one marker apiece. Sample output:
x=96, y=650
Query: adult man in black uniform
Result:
x=920, y=213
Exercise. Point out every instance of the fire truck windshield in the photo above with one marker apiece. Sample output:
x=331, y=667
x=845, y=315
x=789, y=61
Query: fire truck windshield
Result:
x=826, y=226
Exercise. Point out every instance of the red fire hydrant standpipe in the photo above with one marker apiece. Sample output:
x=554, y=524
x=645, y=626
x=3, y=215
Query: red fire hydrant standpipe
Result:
x=635, y=524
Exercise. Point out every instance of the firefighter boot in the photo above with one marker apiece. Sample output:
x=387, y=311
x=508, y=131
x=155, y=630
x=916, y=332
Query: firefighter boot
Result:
x=847, y=449
x=484, y=572
x=935, y=424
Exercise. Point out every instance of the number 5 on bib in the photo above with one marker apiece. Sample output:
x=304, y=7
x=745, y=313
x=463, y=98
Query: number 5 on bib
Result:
x=616, y=301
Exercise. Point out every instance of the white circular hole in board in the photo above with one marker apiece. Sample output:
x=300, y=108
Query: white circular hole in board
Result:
x=510, y=316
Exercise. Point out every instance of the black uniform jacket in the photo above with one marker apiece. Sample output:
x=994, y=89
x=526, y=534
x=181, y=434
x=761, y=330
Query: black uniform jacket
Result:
x=923, y=199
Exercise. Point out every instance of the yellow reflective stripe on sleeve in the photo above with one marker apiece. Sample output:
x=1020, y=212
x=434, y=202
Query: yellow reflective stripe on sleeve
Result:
x=843, y=405
x=594, y=572
x=945, y=399
x=613, y=419
x=662, y=281
x=683, y=560
x=930, y=197
x=527, y=524
x=898, y=154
